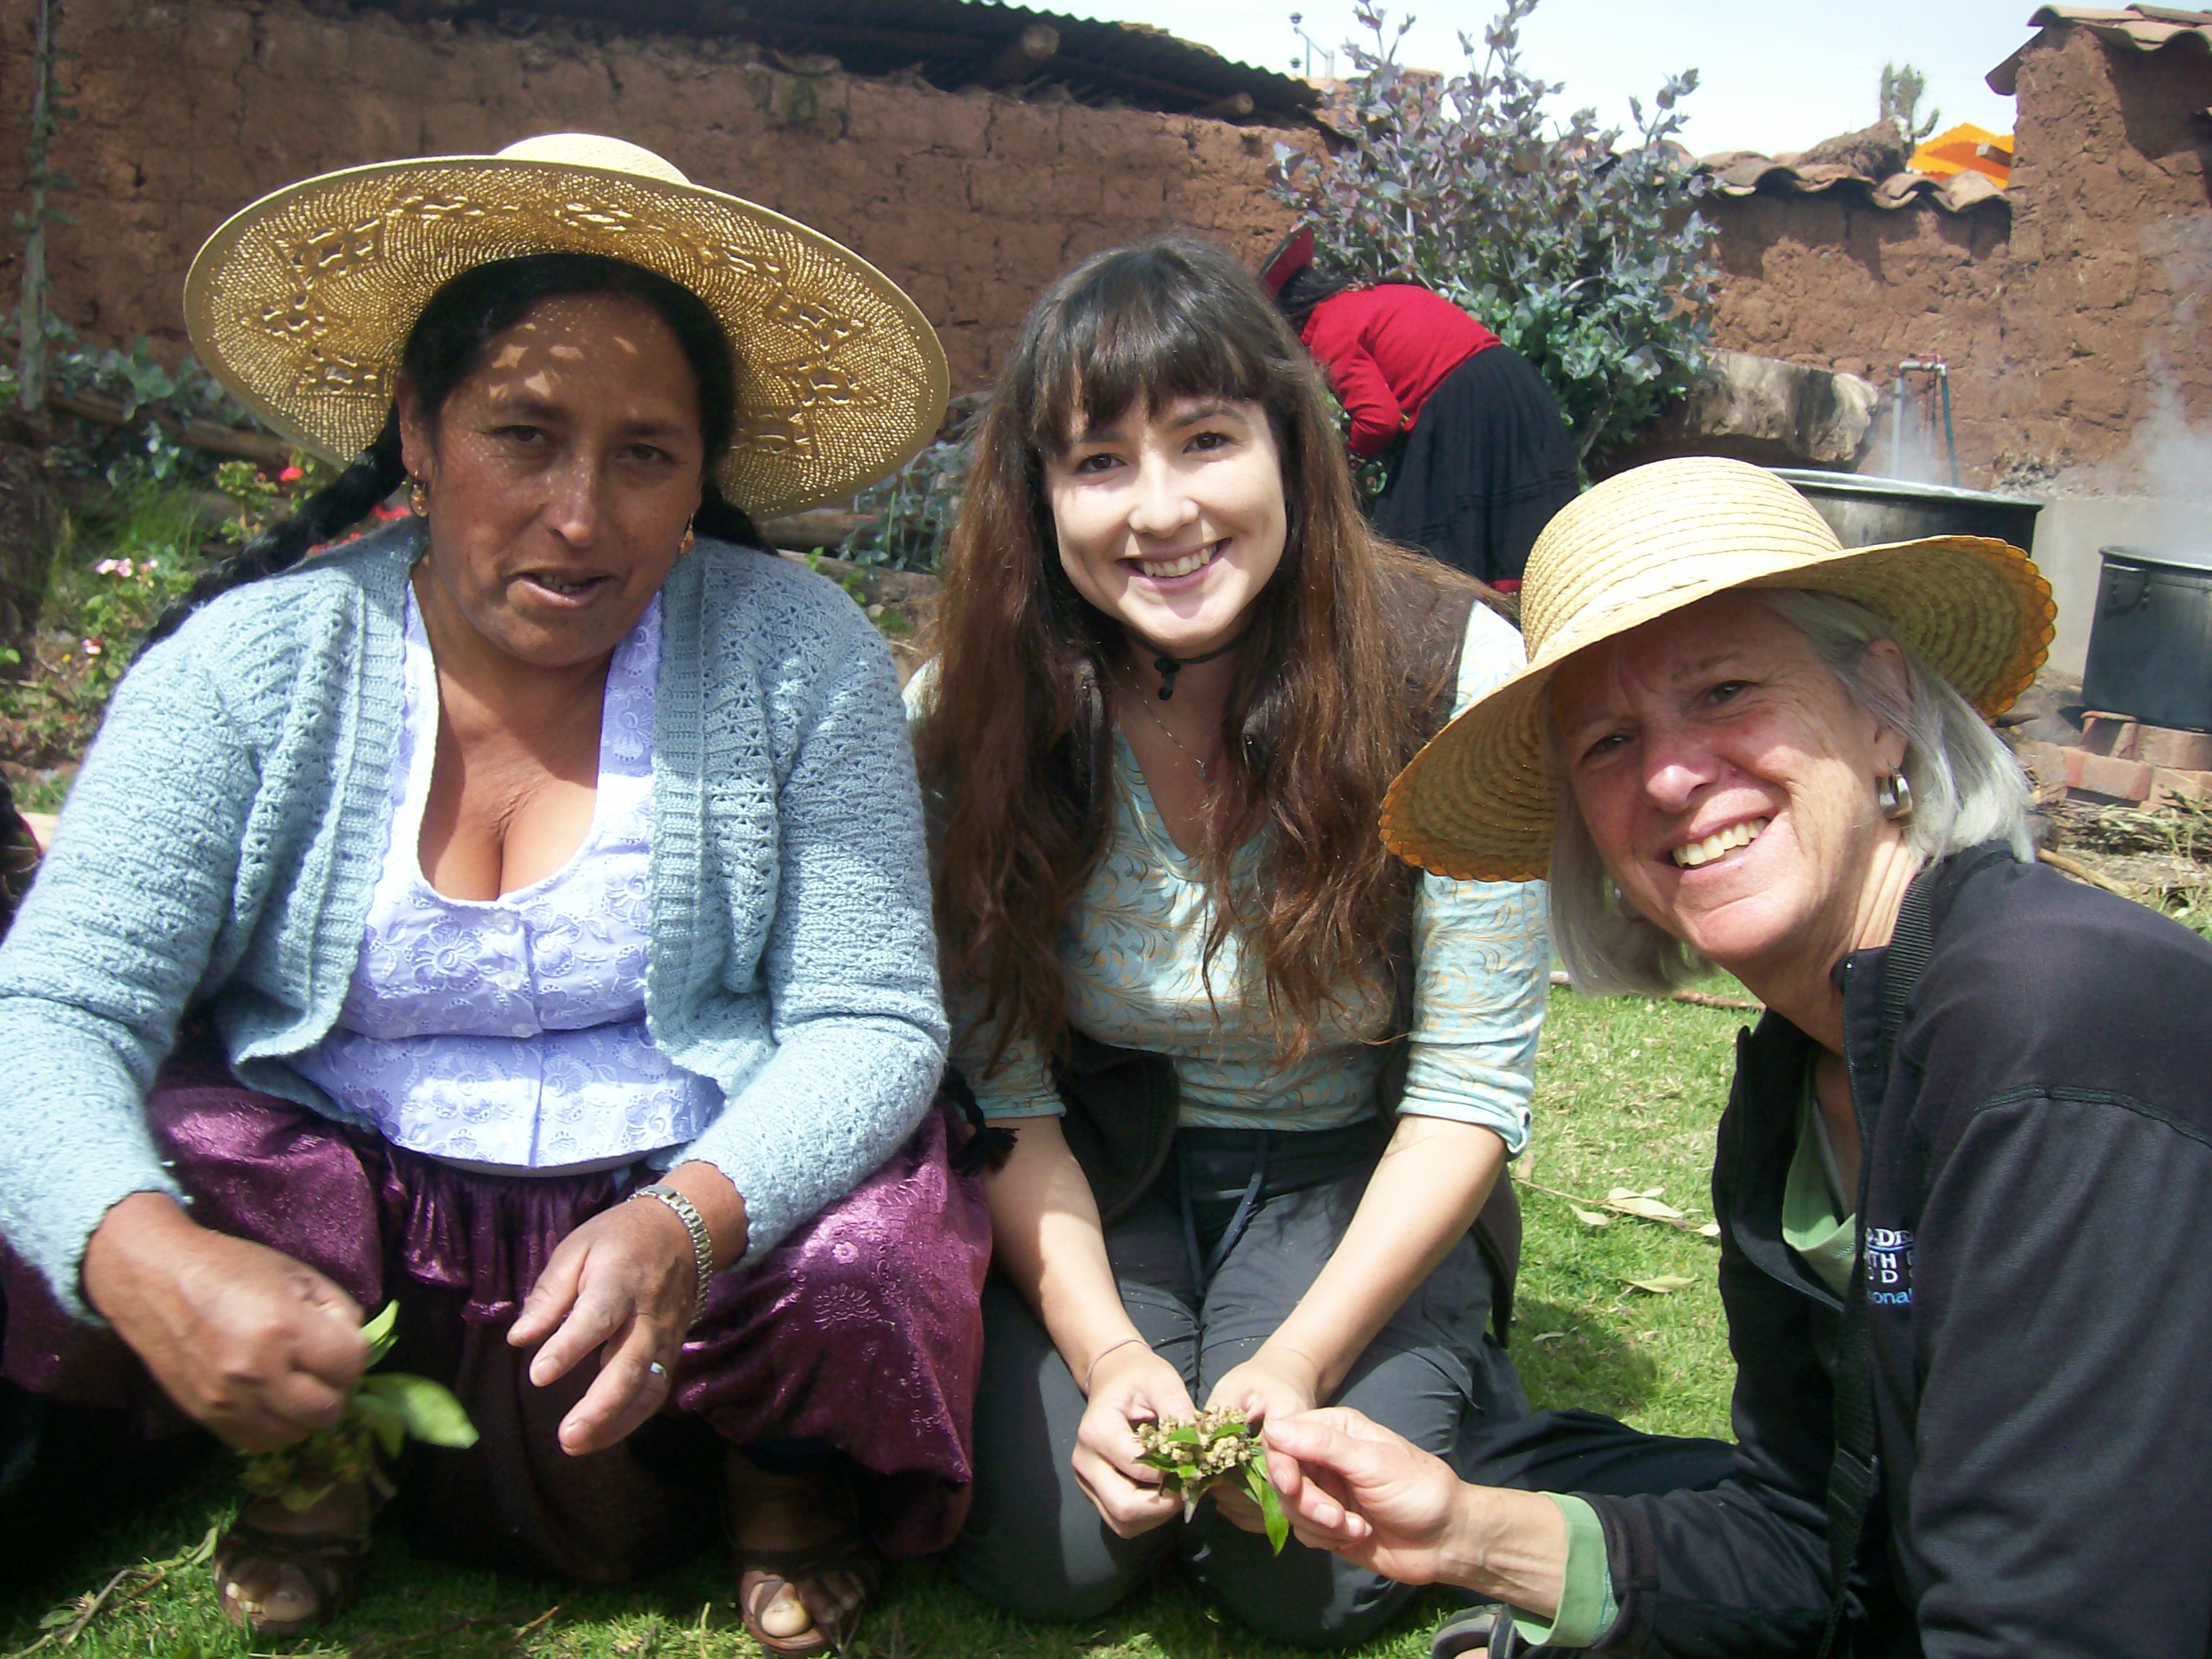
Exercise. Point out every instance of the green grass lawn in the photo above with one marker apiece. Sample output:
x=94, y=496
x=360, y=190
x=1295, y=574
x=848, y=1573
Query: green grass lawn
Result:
x=1628, y=1094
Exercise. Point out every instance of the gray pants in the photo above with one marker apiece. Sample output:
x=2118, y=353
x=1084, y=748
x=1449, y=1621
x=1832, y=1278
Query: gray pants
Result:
x=1033, y=1543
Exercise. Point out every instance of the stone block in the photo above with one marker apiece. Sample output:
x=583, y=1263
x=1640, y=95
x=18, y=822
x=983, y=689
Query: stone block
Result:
x=1763, y=409
x=2180, y=752
x=2101, y=775
x=2123, y=739
x=2178, y=787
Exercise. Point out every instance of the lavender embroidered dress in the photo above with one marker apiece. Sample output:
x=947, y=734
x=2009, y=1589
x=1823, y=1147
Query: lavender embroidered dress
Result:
x=510, y=1032
x=499, y=1087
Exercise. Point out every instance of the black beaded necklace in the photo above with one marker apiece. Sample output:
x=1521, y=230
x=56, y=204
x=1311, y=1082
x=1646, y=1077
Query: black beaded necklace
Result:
x=1169, y=667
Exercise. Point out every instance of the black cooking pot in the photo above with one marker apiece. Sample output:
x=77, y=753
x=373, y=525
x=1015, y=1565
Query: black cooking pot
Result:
x=2150, y=642
x=1867, y=512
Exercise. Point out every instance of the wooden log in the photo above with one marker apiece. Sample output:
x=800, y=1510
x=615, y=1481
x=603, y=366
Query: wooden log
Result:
x=260, y=447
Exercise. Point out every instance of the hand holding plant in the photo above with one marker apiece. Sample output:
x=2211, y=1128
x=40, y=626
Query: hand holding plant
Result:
x=381, y=1414
x=1193, y=1453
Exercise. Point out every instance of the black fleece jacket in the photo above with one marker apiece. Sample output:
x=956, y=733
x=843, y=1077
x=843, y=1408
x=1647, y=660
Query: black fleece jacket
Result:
x=2036, y=1200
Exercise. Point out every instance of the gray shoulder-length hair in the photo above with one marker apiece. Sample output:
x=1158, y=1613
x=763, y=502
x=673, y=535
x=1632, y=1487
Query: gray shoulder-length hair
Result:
x=1967, y=789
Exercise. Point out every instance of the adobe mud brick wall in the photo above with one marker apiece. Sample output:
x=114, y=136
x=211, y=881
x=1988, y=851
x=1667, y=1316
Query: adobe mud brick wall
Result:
x=1835, y=282
x=2065, y=321
x=2108, y=298
x=189, y=109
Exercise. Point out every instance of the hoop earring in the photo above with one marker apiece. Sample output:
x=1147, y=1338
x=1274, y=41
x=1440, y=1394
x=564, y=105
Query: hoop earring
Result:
x=1617, y=901
x=1893, y=795
x=418, y=498
x=689, y=542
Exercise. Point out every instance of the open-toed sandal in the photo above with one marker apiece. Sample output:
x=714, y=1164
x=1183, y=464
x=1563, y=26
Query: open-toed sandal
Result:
x=331, y=1565
x=1487, y=1628
x=761, y=1573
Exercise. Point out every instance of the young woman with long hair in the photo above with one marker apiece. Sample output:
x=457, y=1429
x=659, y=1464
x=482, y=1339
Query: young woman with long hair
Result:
x=1262, y=1081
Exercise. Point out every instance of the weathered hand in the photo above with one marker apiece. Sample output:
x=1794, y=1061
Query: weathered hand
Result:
x=255, y=1346
x=1130, y=1384
x=623, y=1283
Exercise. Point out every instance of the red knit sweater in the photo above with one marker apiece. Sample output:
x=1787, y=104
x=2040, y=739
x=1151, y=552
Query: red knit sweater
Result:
x=1385, y=349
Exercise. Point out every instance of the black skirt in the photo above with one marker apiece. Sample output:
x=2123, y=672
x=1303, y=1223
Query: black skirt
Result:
x=1488, y=462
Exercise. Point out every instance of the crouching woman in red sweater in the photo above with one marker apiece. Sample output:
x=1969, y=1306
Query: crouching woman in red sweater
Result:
x=1487, y=457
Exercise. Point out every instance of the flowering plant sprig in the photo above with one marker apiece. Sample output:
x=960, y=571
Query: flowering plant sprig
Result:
x=1192, y=1453
x=381, y=1414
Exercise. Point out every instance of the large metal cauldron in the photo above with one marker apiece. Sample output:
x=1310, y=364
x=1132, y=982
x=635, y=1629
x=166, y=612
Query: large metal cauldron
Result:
x=2150, y=642
x=1864, y=512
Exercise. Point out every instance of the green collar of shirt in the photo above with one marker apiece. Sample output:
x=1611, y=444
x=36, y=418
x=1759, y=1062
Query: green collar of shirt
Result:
x=1818, y=1222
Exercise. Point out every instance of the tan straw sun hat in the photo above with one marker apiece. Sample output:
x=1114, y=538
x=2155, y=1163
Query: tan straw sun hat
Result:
x=1480, y=801
x=301, y=303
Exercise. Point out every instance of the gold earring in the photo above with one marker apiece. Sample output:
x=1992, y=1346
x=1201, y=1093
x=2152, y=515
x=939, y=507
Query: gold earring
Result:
x=689, y=542
x=418, y=498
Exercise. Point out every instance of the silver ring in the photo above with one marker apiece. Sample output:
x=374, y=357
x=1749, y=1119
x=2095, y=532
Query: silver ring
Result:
x=657, y=1368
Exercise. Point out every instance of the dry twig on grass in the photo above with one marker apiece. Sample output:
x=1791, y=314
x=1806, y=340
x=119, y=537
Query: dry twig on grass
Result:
x=67, y=1621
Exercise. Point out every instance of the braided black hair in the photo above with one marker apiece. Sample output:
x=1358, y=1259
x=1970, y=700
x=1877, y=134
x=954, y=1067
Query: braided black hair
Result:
x=445, y=347
x=1307, y=287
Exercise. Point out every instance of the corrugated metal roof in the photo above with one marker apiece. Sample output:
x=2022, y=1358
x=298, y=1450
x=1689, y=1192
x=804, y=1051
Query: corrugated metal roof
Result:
x=1744, y=173
x=952, y=44
x=2145, y=28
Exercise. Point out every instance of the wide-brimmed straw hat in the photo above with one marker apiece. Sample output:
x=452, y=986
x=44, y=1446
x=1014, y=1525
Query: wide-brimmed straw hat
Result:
x=1480, y=801
x=301, y=303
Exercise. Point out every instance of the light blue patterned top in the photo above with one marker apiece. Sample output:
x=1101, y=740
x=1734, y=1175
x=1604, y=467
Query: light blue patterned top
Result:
x=222, y=843
x=511, y=1032
x=1132, y=952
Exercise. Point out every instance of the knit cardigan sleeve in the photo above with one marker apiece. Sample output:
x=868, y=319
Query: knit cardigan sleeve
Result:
x=110, y=945
x=812, y=998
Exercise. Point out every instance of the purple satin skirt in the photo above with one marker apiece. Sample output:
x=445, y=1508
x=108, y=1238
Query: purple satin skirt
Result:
x=860, y=1332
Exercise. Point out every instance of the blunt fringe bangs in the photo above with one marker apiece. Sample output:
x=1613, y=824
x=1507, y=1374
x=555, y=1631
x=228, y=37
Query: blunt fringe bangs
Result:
x=1147, y=329
x=1967, y=789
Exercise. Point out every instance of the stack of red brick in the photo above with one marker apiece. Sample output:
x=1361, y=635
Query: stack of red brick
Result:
x=2119, y=759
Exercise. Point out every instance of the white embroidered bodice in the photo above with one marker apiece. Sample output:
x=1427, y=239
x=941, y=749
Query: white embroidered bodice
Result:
x=512, y=1031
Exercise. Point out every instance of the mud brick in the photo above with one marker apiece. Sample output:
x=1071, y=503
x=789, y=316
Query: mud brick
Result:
x=2109, y=735
x=2100, y=775
x=2044, y=763
x=2176, y=786
x=2177, y=751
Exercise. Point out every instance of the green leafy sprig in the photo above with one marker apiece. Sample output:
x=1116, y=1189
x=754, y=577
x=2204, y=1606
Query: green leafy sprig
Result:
x=1192, y=1453
x=382, y=1413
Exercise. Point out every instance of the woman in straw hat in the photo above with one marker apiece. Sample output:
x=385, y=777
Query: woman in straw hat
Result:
x=1176, y=672
x=1965, y=1174
x=520, y=913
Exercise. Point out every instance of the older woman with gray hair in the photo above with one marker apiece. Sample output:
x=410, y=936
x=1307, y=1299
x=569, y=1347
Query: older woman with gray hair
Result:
x=1966, y=1169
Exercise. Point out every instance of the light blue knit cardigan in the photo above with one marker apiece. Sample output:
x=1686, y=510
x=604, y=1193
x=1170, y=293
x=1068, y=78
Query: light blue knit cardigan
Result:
x=222, y=840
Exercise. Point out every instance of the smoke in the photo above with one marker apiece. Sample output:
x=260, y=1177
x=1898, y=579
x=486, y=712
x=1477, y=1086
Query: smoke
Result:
x=2170, y=454
x=2167, y=466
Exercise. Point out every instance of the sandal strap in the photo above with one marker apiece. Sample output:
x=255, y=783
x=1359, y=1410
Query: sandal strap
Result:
x=335, y=1565
x=759, y=1568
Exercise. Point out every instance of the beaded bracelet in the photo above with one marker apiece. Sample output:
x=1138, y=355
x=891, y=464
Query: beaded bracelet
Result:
x=702, y=1246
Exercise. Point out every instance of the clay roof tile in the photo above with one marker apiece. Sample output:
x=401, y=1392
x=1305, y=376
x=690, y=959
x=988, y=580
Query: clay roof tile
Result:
x=2143, y=27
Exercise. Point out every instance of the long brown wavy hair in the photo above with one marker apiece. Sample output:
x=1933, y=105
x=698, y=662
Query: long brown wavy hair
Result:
x=1321, y=716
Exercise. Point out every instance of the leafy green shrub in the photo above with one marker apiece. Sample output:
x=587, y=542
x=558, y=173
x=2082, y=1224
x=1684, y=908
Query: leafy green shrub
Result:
x=906, y=518
x=118, y=561
x=1585, y=256
x=139, y=451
